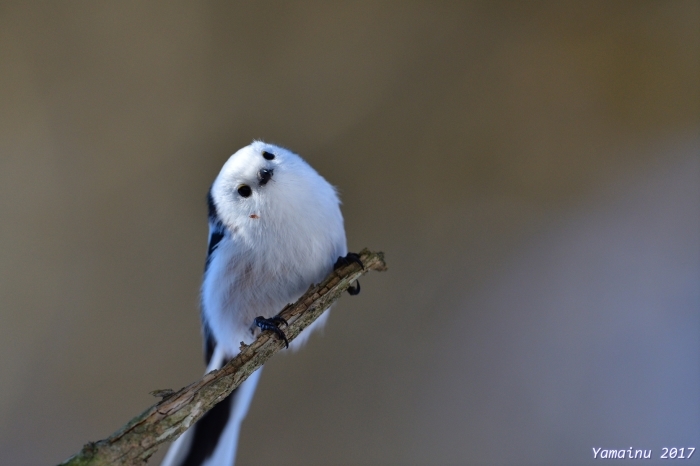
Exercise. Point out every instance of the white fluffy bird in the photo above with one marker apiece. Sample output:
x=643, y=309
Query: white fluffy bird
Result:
x=275, y=228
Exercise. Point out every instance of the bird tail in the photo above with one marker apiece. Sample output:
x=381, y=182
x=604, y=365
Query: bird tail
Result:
x=213, y=439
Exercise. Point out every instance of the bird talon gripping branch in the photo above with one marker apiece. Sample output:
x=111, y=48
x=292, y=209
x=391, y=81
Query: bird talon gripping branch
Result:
x=348, y=259
x=273, y=324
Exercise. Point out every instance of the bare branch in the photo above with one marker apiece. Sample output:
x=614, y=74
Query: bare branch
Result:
x=165, y=421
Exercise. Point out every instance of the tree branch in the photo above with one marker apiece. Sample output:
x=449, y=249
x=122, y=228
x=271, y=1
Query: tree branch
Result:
x=165, y=421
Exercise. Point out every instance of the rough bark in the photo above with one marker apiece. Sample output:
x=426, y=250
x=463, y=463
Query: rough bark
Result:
x=134, y=443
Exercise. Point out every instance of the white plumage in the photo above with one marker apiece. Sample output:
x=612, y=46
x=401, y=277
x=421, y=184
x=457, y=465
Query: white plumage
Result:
x=275, y=227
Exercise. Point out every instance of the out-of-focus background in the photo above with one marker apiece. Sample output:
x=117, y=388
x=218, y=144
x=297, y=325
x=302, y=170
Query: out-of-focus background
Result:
x=531, y=169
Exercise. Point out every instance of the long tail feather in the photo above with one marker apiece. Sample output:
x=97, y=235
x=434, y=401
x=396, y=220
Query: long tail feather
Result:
x=213, y=440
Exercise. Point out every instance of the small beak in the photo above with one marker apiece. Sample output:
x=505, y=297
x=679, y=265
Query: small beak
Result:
x=264, y=175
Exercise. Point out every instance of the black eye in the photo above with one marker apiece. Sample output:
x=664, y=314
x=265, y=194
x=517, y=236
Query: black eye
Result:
x=268, y=156
x=244, y=190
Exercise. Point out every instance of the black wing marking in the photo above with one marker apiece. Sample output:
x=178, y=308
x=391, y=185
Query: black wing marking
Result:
x=213, y=214
x=216, y=228
x=217, y=233
x=209, y=341
x=214, y=239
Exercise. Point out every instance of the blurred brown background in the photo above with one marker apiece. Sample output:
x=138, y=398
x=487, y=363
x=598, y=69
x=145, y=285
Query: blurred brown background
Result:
x=531, y=169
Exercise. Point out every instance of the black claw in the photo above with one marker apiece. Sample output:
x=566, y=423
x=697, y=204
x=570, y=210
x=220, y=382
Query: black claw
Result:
x=354, y=290
x=278, y=320
x=272, y=324
x=347, y=260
